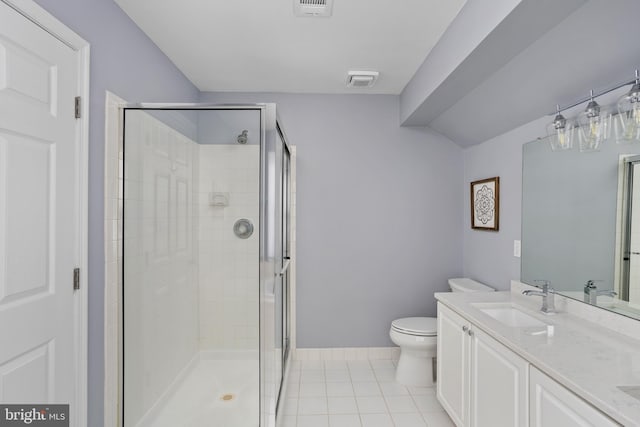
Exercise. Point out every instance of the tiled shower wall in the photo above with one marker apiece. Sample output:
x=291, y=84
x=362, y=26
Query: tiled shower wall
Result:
x=229, y=286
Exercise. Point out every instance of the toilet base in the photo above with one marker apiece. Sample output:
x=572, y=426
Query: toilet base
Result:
x=416, y=368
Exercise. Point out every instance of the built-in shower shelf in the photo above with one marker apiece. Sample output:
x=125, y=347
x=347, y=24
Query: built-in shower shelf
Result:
x=218, y=199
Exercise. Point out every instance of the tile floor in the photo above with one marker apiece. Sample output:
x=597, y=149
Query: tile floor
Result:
x=360, y=393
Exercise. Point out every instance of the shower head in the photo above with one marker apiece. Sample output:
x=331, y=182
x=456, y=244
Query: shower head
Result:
x=242, y=138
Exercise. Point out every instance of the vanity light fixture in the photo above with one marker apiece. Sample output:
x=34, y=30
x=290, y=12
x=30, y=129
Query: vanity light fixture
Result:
x=594, y=125
x=560, y=132
x=627, y=123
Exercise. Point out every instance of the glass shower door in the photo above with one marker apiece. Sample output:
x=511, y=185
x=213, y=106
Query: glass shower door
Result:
x=274, y=265
x=282, y=289
x=191, y=249
x=270, y=267
x=205, y=265
x=286, y=253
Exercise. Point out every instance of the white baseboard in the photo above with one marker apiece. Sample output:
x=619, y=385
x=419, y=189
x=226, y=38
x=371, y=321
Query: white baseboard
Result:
x=348, y=353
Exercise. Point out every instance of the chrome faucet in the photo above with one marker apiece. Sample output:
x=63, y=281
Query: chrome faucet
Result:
x=547, y=293
x=591, y=292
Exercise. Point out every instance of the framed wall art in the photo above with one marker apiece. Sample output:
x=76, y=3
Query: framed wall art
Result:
x=485, y=204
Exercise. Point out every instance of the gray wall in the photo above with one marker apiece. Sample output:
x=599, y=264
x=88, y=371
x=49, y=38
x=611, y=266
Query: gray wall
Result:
x=488, y=256
x=126, y=62
x=379, y=214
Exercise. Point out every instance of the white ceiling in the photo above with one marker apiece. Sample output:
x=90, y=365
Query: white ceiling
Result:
x=260, y=46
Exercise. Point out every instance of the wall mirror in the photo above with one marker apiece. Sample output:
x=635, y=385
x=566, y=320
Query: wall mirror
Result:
x=581, y=223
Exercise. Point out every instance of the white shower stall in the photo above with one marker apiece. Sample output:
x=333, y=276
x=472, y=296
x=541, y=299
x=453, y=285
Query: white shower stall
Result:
x=206, y=256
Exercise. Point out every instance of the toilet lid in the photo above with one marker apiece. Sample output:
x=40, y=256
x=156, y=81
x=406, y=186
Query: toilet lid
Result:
x=425, y=326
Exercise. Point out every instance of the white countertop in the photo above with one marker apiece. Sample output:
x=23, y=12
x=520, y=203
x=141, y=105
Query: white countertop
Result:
x=587, y=358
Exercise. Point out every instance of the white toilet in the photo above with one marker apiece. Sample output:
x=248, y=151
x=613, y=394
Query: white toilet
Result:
x=417, y=337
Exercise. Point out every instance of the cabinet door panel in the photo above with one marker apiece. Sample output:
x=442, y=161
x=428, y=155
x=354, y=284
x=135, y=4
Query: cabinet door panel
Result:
x=499, y=386
x=551, y=404
x=453, y=365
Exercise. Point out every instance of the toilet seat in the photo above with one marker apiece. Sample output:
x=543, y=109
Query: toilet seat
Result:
x=417, y=326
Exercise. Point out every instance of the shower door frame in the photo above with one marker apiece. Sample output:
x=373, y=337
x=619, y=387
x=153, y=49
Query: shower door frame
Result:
x=269, y=267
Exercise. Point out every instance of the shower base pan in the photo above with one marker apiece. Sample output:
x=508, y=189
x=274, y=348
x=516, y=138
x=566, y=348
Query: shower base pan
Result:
x=213, y=392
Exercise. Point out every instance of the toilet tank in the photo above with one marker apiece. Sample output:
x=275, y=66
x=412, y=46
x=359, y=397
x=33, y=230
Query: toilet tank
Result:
x=463, y=284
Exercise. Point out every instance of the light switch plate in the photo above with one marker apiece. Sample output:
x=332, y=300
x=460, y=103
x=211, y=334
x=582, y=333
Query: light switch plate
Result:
x=516, y=248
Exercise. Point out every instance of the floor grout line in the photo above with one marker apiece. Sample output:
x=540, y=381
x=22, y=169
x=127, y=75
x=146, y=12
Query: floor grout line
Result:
x=380, y=375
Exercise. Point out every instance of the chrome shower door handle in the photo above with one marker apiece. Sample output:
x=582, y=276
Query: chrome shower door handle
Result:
x=285, y=267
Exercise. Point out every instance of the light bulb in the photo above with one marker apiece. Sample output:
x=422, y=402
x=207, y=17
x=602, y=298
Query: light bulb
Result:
x=635, y=115
x=628, y=120
x=562, y=138
x=560, y=133
x=632, y=123
x=595, y=126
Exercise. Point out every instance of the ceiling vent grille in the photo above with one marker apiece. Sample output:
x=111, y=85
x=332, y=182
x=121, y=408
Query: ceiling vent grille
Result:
x=362, y=78
x=312, y=7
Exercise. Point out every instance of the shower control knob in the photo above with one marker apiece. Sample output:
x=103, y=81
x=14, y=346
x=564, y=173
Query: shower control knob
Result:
x=243, y=228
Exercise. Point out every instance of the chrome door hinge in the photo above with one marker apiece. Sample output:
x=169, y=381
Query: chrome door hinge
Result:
x=78, y=106
x=76, y=279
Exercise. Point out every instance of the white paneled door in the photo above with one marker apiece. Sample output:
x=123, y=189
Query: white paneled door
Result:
x=41, y=215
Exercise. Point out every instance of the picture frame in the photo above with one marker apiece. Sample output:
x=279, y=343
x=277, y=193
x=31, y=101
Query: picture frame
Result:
x=485, y=204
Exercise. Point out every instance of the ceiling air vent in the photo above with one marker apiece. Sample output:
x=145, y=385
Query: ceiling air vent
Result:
x=362, y=78
x=312, y=7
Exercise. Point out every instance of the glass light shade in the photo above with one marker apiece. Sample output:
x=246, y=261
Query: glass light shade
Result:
x=627, y=122
x=560, y=133
x=594, y=127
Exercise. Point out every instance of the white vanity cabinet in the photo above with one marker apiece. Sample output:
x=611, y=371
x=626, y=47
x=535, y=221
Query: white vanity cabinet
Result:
x=553, y=405
x=453, y=361
x=499, y=384
x=481, y=383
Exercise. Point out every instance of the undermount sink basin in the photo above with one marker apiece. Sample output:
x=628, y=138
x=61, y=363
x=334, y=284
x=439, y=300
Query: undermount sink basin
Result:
x=510, y=316
x=631, y=390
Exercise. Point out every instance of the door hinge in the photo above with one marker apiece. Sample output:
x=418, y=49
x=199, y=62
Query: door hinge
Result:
x=76, y=279
x=78, y=105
